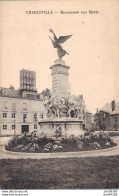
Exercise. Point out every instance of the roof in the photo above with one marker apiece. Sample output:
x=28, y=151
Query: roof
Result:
x=116, y=111
x=104, y=111
x=12, y=93
x=88, y=112
x=107, y=108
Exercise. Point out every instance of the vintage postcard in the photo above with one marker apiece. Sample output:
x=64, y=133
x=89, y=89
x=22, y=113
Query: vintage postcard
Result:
x=59, y=96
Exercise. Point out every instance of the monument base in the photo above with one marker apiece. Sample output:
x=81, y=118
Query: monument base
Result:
x=69, y=126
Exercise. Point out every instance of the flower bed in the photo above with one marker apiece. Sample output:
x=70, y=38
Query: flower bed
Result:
x=58, y=143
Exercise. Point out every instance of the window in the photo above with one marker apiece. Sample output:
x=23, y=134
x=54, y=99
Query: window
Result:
x=13, y=127
x=41, y=115
x=4, y=127
x=116, y=119
x=13, y=106
x=4, y=92
x=35, y=116
x=4, y=115
x=13, y=115
x=24, y=106
x=5, y=105
x=24, y=117
x=35, y=126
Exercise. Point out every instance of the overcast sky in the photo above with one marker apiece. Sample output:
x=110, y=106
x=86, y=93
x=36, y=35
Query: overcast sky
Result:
x=93, y=49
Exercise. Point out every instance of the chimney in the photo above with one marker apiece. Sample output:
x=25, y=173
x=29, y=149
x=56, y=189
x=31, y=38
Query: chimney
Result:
x=113, y=105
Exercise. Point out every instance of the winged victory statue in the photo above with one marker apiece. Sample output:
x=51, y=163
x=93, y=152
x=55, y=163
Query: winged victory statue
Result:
x=57, y=43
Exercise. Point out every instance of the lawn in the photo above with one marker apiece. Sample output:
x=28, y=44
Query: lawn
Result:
x=71, y=173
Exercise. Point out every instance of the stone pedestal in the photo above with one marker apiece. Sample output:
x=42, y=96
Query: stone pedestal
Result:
x=60, y=84
x=69, y=126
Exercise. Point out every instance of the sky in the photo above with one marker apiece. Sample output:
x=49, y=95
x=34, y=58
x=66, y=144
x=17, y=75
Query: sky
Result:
x=93, y=48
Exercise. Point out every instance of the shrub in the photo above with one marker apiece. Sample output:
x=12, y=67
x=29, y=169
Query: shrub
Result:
x=45, y=140
x=32, y=143
x=95, y=145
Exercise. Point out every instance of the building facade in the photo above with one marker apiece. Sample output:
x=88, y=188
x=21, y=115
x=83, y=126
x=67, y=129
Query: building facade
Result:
x=21, y=110
x=108, y=117
x=79, y=106
x=100, y=120
x=113, y=121
x=19, y=115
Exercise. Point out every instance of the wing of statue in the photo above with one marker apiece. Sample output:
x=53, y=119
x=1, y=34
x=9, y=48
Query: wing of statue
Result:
x=62, y=39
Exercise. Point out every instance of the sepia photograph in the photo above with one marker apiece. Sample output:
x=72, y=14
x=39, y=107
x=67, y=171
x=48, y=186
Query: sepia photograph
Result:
x=59, y=95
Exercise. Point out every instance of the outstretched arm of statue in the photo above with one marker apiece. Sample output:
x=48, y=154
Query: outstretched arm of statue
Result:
x=53, y=42
x=51, y=39
x=55, y=37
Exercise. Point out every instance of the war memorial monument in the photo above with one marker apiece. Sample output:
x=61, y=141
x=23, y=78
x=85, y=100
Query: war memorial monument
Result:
x=62, y=109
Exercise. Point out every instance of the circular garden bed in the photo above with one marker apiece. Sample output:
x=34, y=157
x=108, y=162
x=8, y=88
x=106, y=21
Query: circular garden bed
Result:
x=58, y=143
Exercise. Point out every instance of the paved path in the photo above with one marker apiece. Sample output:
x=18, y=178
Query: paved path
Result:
x=95, y=153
